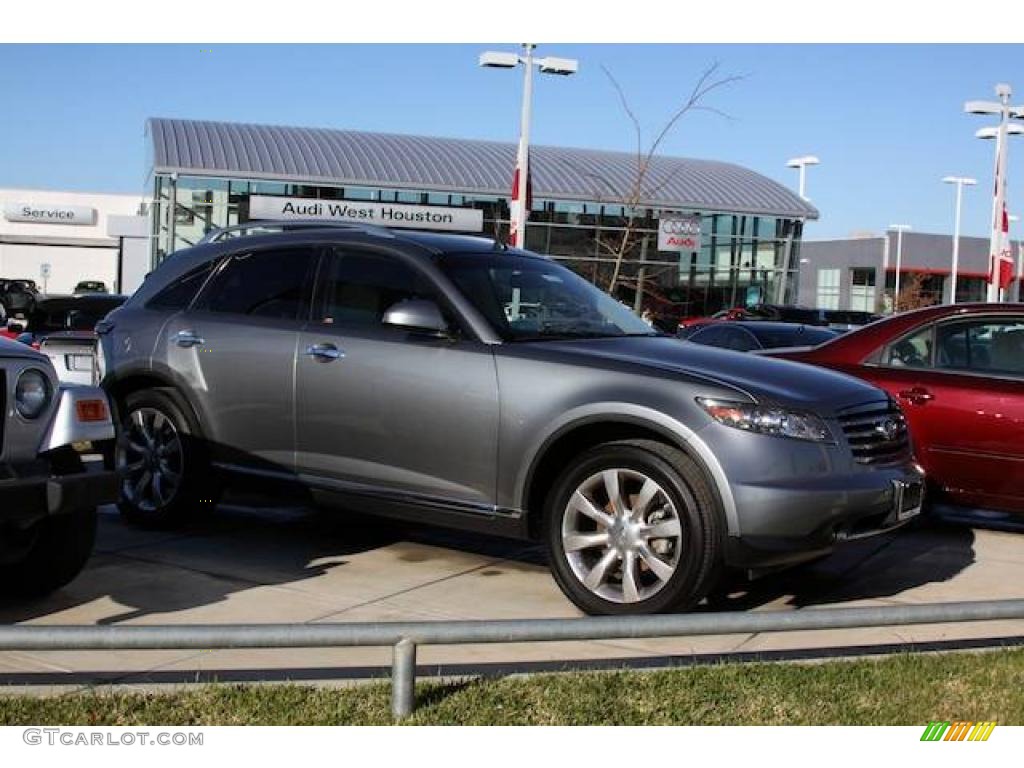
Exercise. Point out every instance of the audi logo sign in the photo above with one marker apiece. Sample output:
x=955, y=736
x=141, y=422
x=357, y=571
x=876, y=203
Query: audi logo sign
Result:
x=679, y=233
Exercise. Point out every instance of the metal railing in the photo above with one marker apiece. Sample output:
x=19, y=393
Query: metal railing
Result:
x=406, y=637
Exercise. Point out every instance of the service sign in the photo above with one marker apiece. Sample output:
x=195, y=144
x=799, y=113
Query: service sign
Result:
x=381, y=214
x=49, y=214
x=679, y=233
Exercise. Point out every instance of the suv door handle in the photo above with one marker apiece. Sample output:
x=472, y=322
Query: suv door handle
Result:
x=916, y=395
x=324, y=353
x=188, y=339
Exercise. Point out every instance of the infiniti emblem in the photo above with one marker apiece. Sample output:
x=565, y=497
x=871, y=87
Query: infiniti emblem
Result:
x=888, y=428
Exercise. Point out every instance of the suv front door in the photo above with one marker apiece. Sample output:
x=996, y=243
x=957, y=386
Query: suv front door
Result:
x=235, y=348
x=389, y=412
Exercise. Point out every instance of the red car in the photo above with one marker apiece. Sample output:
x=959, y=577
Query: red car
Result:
x=958, y=373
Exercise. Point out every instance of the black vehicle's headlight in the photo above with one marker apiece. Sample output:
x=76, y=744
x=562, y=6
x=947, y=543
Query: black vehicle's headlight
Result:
x=766, y=420
x=32, y=393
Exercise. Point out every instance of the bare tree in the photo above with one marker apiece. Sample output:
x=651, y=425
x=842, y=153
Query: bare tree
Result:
x=644, y=185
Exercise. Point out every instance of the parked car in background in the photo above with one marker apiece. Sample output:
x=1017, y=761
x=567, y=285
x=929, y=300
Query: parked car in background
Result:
x=958, y=371
x=64, y=329
x=48, y=495
x=91, y=286
x=451, y=380
x=756, y=335
x=17, y=297
x=838, y=319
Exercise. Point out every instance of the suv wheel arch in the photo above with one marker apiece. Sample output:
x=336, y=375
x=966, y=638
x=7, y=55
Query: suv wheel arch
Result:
x=572, y=439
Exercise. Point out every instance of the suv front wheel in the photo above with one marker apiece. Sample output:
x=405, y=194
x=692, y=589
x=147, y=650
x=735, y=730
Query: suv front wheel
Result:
x=634, y=527
x=164, y=473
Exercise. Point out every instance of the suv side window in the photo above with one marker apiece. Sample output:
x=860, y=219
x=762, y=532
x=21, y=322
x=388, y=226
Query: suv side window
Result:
x=180, y=292
x=272, y=283
x=357, y=288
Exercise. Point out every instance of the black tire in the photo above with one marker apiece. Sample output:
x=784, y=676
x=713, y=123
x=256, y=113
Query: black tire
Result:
x=684, y=494
x=196, y=489
x=60, y=547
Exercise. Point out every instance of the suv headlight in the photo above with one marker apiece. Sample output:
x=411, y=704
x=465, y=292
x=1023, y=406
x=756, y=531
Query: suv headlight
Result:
x=32, y=393
x=767, y=420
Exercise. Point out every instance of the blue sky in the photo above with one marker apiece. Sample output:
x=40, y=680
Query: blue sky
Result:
x=886, y=121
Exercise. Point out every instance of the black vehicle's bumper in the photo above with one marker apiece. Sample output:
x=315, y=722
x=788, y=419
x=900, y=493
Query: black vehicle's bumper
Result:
x=25, y=499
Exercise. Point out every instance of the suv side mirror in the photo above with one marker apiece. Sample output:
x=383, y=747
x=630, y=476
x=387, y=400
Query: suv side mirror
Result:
x=416, y=315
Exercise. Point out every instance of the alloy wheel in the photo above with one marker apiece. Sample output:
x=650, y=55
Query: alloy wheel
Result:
x=622, y=535
x=150, y=457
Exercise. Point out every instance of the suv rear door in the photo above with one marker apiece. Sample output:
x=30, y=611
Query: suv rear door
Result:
x=389, y=412
x=235, y=349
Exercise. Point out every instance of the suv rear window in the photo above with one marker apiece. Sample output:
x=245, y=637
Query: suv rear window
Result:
x=271, y=283
x=180, y=292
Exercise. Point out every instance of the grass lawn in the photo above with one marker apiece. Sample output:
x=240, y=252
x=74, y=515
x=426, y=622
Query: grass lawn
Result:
x=902, y=690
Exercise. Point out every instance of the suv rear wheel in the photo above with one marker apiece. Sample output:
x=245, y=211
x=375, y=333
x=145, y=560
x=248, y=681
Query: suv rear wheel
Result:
x=634, y=527
x=164, y=472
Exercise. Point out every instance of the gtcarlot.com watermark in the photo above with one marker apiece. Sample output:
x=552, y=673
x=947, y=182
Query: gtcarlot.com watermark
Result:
x=65, y=737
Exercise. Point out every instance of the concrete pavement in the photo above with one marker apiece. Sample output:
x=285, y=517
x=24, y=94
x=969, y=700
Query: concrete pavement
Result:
x=251, y=565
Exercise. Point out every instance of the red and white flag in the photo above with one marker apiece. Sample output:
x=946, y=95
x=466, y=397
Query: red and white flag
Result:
x=1000, y=271
x=522, y=198
x=1001, y=265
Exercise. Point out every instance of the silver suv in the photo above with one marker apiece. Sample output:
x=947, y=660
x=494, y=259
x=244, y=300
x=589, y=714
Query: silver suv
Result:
x=450, y=380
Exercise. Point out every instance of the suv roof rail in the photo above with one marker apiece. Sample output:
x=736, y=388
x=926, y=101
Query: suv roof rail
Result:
x=270, y=227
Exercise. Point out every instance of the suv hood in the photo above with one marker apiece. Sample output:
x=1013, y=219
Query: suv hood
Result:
x=764, y=379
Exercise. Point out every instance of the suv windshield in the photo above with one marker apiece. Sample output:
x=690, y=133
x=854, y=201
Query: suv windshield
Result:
x=532, y=299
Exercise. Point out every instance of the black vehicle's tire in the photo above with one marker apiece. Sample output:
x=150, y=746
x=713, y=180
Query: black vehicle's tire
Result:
x=689, y=556
x=61, y=546
x=187, y=486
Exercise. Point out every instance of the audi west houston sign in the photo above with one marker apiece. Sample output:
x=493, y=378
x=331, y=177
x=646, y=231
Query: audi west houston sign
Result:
x=679, y=232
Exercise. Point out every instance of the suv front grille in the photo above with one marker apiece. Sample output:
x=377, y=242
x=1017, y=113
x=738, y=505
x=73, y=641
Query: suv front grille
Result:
x=876, y=434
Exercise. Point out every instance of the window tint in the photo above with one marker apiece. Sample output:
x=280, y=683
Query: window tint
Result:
x=914, y=351
x=262, y=284
x=988, y=346
x=180, y=292
x=358, y=288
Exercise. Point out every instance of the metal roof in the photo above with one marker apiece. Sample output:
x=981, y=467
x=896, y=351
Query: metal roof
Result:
x=468, y=166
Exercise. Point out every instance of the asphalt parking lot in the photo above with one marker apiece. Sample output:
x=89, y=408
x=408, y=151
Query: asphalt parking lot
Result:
x=251, y=564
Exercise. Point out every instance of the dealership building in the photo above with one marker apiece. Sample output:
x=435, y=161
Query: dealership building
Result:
x=59, y=239
x=733, y=235
x=848, y=273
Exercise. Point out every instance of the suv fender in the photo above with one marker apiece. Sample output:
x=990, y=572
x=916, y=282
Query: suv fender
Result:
x=674, y=431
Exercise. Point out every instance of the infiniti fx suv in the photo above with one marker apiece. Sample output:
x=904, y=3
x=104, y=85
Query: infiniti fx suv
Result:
x=450, y=380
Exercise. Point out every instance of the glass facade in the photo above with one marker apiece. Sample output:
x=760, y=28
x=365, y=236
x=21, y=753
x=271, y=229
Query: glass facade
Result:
x=742, y=259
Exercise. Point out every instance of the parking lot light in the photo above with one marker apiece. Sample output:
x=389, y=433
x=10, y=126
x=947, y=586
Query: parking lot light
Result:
x=550, y=65
x=961, y=182
x=802, y=163
x=998, y=245
x=899, y=229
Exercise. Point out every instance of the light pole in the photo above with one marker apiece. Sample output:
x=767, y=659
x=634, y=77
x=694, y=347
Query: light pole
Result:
x=961, y=182
x=998, y=238
x=549, y=65
x=802, y=163
x=899, y=229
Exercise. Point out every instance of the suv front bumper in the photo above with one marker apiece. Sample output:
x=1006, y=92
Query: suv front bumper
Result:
x=803, y=519
x=28, y=497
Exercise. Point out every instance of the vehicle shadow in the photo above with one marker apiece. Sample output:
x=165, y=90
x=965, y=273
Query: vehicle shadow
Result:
x=234, y=548
x=930, y=551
